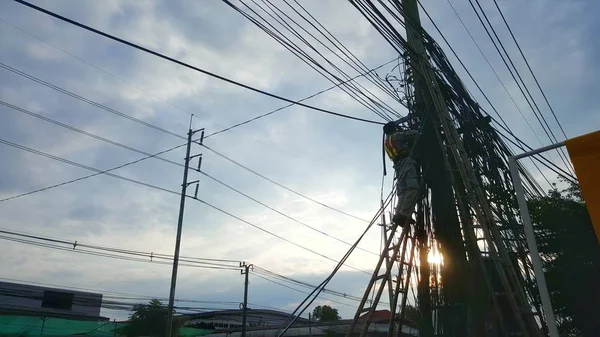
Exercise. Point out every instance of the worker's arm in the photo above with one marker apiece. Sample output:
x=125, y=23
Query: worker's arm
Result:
x=403, y=136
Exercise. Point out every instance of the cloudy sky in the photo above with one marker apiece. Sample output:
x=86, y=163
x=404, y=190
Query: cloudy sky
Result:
x=333, y=160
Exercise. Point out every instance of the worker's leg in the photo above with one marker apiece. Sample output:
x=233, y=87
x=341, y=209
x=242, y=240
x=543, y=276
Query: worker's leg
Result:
x=410, y=184
x=400, y=186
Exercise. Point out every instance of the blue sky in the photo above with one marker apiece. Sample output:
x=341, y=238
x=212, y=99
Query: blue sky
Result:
x=333, y=160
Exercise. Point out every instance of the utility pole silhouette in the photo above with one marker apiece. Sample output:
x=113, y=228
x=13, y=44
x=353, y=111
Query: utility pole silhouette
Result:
x=184, y=187
x=245, y=272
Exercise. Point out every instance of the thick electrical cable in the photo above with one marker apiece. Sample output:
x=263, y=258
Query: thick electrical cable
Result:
x=385, y=108
x=293, y=48
x=301, y=100
x=96, y=67
x=211, y=74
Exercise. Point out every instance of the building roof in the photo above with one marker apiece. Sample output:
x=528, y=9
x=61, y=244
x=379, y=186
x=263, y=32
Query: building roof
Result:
x=254, y=312
x=378, y=316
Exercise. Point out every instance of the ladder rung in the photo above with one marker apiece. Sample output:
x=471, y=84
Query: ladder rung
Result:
x=365, y=309
x=379, y=277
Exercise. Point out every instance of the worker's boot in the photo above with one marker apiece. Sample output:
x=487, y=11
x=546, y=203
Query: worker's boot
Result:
x=401, y=220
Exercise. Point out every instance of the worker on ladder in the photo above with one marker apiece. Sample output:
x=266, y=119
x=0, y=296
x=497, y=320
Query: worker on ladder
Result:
x=398, y=145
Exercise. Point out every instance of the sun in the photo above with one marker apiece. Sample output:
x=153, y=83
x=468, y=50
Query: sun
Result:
x=434, y=257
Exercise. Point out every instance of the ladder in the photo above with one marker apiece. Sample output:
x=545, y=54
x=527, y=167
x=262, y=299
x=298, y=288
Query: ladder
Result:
x=393, y=252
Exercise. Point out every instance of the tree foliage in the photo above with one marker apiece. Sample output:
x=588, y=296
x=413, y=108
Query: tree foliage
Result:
x=571, y=254
x=148, y=319
x=326, y=313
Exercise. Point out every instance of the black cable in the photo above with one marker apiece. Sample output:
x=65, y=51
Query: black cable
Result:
x=385, y=108
x=494, y=71
x=280, y=185
x=88, y=101
x=366, y=73
x=302, y=291
x=114, y=256
x=520, y=83
x=74, y=129
x=24, y=148
x=294, y=49
x=268, y=273
x=347, y=53
x=302, y=100
x=150, y=255
x=530, y=70
x=99, y=172
x=171, y=162
x=136, y=46
x=277, y=236
x=479, y=87
x=71, y=245
x=281, y=213
x=96, y=67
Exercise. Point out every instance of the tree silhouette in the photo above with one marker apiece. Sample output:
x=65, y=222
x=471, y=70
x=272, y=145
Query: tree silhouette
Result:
x=326, y=313
x=571, y=255
x=148, y=320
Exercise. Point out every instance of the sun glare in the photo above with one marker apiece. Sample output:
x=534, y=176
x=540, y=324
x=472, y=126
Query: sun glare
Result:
x=435, y=257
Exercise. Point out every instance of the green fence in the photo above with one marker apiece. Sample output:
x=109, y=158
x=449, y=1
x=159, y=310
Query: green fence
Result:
x=48, y=326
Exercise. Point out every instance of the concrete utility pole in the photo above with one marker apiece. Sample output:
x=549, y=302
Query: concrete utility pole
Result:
x=184, y=186
x=246, y=272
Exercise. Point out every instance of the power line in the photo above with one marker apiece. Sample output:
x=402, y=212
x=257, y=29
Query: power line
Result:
x=304, y=99
x=280, y=185
x=365, y=73
x=99, y=172
x=281, y=213
x=171, y=162
x=95, y=67
x=278, y=236
x=479, y=87
x=74, y=244
x=356, y=89
x=268, y=273
x=530, y=70
x=109, y=255
x=136, y=46
x=88, y=101
x=301, y=291
x=520, y=83
x=74, y=129
x=71, y=245
x=24, y=148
